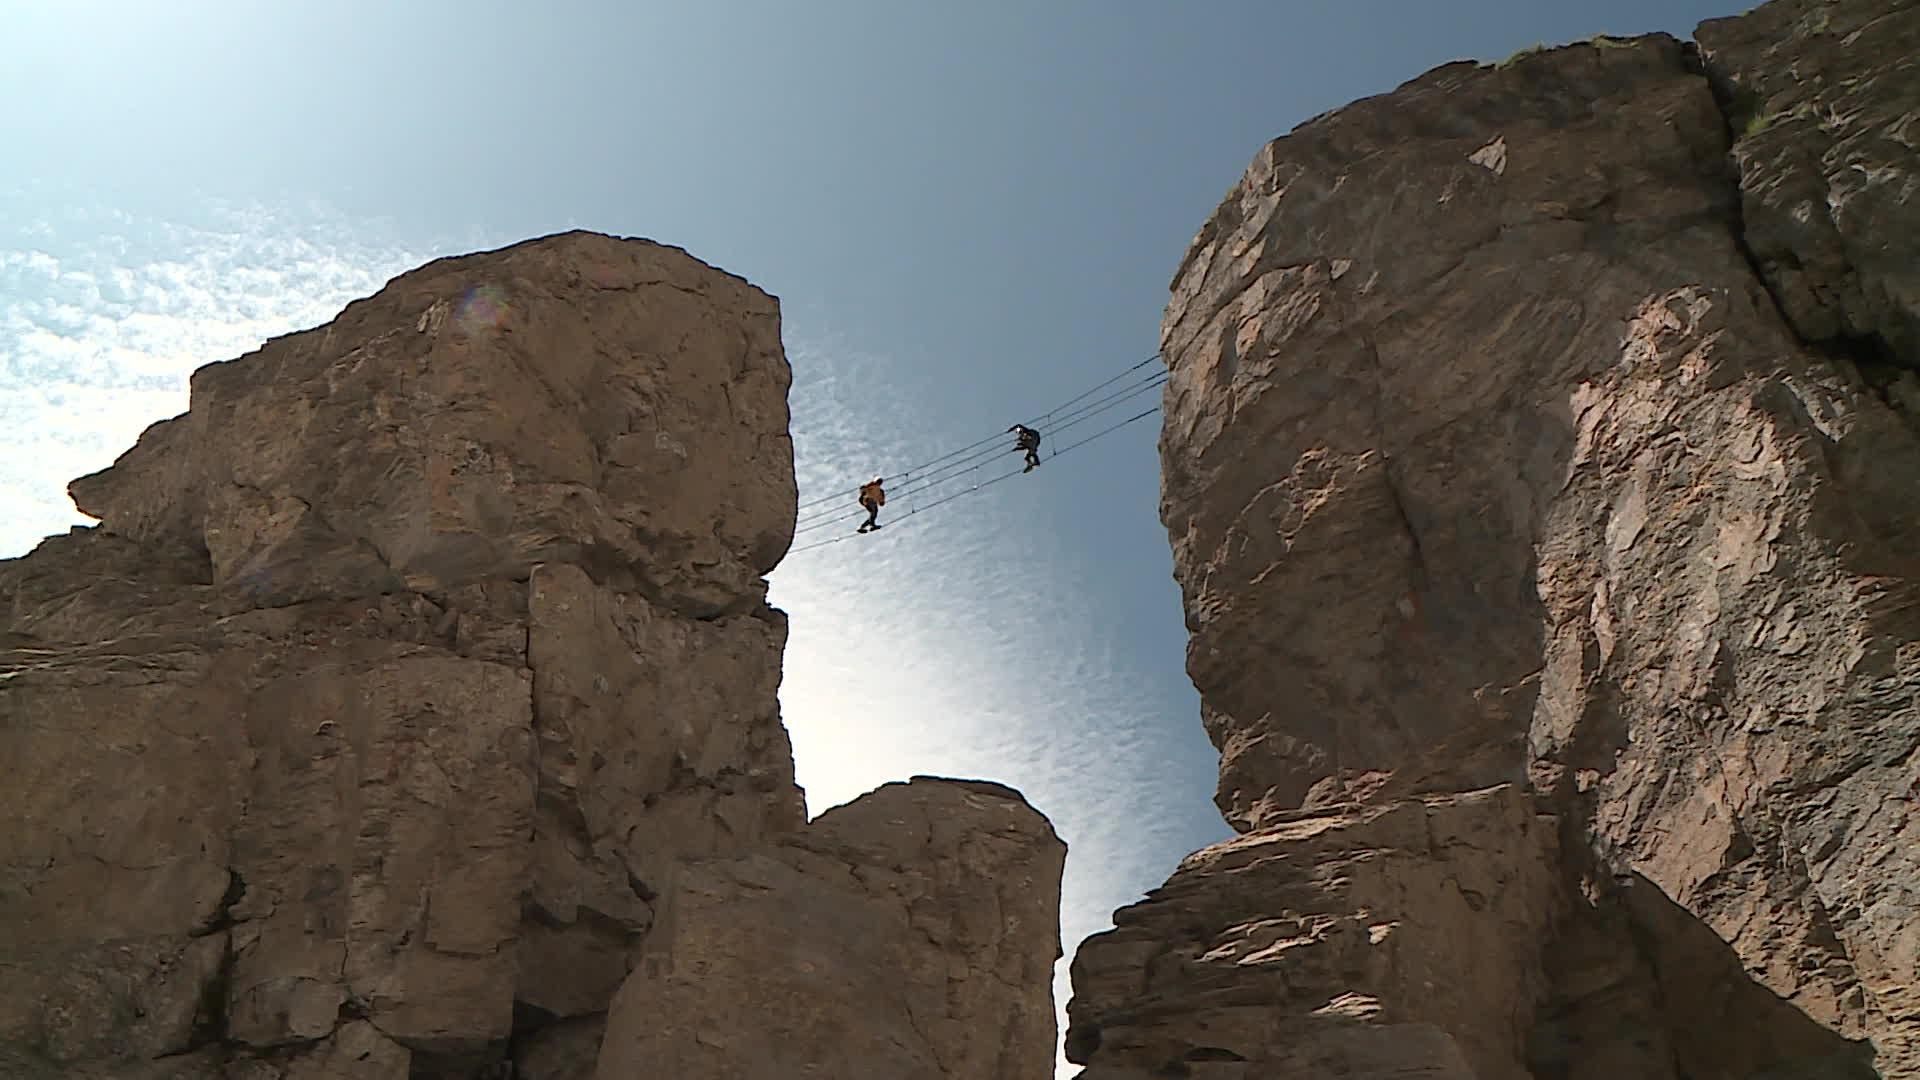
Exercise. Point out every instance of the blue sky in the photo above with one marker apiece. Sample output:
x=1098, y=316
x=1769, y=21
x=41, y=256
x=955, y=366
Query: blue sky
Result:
x=969, y=211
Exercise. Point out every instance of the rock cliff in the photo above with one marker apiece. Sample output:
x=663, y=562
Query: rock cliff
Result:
x=929, y=911
x=1541, y=460
x=369, y=733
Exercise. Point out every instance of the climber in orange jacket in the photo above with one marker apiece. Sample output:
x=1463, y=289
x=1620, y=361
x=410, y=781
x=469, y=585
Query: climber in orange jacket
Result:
x=873, y=497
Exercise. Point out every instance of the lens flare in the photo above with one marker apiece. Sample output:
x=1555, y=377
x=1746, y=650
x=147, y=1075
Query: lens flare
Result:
x=484, y=307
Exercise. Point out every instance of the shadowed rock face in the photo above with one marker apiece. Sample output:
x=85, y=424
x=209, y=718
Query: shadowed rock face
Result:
x=366, y=734
x=1825, y=101
x=1264, y=954
x=1499, y=474
x=399, y=668
x=909, y=933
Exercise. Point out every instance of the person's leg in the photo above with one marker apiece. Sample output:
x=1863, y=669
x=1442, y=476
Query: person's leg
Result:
x=873, y=515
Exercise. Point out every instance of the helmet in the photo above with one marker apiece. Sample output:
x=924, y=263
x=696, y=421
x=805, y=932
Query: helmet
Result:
x=876, y=479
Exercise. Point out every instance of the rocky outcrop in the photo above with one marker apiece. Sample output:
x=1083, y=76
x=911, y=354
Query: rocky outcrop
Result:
x=365, y=735
x=1824, y=99
x=576, y=401
x=1513, y=496
x=909, y=933
x=1370, y=940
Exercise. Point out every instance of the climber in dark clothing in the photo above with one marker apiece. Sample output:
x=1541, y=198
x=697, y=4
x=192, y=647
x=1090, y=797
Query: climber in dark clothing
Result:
x=1025, y=438
x=873, y=497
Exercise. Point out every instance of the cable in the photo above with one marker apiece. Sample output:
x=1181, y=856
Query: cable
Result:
x=1115, y=379
x=924, y=483
x=991, y=438
x=997, y=436
x=920, y=483
x=978, y=487
x=1116, y=427
x=945, y=474
x=1092, y=409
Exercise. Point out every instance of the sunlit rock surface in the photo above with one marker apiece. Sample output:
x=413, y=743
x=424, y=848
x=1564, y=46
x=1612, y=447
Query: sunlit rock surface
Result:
x=1543, y=476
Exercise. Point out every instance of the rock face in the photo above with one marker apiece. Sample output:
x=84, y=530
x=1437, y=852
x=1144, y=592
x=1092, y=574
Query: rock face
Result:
x=1268, y=955
x=1540, y=465
x=365, y=734
x=1825, y=98
x=812, y=958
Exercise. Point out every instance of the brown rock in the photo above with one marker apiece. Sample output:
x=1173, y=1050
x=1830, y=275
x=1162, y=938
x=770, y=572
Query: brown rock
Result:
x=909, y=933
x=579, y=398
x=355, y=1052
x=146, y=1000
x=1356, y=543
x=410, y=899
x=1376, y=940
x=398, y=668
x=1824, y=98
x=564, y=1051
x=654, y=725
x=1491, y=464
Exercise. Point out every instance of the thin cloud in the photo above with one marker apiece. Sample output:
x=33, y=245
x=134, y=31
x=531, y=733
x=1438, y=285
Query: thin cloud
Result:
x=106, y=314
